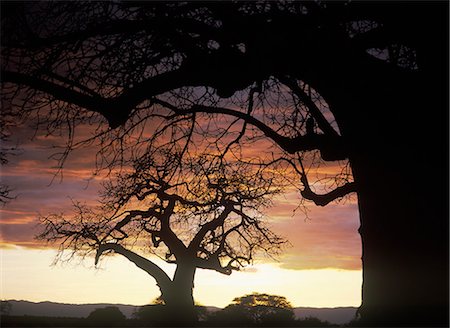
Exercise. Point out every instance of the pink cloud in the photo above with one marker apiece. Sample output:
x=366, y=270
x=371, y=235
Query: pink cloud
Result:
x=329, y=238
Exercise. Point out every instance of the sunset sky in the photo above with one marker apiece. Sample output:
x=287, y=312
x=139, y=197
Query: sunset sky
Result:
x=321, y=268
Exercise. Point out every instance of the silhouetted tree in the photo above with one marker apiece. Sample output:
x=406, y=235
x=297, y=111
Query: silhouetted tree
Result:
x=256, y=309
x=264, y=309
x=106, y=317
x=378, y=69
x=197, y=213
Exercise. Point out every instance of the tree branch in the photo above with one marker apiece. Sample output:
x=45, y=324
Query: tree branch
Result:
x=212, y=263
x=209, y=226
x=331, y=145
x=175, y=245
x=325, y=199
x=118, y=26
x=58, y=91
x=93, y=103
x=322, y=122
x=148, y=266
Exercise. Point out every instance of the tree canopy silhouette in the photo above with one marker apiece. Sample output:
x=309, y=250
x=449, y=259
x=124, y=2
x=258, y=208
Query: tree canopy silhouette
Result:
x=202, y=213
x=256, y=310
x=265, y=309
x=362, y=82
x=109, y=316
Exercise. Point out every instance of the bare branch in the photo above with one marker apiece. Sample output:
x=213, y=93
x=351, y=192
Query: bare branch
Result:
x=325, y=199
x=148, y=266
x=322, y=122
x=332, y=146
x=209, y=226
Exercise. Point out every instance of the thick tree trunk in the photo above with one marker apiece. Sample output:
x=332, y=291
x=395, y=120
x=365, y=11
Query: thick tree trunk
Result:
x=396, y=133
x=403, y=232
x=178, y=297
x=177, y=294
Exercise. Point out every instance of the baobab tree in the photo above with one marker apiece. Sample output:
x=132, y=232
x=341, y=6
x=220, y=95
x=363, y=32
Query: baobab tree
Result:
x=205, y=213
x=361, y=82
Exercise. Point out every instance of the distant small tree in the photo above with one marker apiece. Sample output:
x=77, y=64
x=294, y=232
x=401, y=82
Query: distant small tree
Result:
x=257, y=309
x=107, y=316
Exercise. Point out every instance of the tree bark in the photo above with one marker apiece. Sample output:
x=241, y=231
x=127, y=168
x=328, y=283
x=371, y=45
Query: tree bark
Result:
x=405, y=255
x=395, y=131
x=178, y=296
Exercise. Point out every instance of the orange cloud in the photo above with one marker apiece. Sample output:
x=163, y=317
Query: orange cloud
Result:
x=327, y=239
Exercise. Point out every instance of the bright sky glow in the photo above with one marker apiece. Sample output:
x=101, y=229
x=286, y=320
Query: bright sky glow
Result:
x=27, y=275
x=322, y=268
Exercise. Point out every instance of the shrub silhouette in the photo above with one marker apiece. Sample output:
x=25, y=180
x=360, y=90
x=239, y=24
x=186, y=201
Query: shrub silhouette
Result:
x=313, y=322
x=256, y=309
x=107, y=316
x=153, y=314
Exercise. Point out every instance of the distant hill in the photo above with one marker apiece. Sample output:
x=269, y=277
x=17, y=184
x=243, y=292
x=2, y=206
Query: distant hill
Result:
x=337, y=315
x=51, y=309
